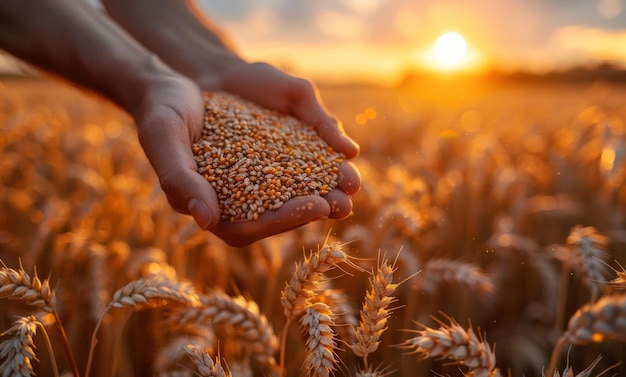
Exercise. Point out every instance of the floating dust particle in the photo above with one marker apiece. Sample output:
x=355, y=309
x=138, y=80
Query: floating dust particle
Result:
x=256, y=159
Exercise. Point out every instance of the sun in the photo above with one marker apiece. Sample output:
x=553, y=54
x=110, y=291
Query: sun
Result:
x=450, y=49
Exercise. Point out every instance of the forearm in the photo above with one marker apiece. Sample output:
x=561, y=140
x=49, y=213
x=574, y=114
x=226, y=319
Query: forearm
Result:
x=73, y=40
x=179, y=33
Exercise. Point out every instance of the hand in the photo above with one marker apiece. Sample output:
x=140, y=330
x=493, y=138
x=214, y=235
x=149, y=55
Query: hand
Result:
x=269, y=87
x=265, y=85
x=195, y=47
x=169, y=120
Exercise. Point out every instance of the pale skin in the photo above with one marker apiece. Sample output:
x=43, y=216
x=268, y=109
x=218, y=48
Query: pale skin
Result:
x=153, y=58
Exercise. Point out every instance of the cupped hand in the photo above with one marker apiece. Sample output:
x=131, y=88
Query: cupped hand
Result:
x=170, y=119
x=267, y=86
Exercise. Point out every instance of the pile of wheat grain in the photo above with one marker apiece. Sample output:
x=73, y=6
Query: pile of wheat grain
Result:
x=256, y=159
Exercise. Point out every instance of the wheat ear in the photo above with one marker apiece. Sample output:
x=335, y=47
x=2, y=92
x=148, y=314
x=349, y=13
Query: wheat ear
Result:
x=375, y=311
x=343, y=310
x=147, y=292
x=587, y=255
x=320, y=358
x=17, y=352
x=619, y=282
x=305, y=279
x=243, y=315
x=569, y=372
x=378, y=372
x=304, y=284
x=437, y=271
x=452, y=342
x=169, y=357
x=605, y=319
x=205, y=365
x=19, y=285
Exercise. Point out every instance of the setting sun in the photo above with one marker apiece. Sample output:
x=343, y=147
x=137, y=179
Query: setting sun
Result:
x=450, y=49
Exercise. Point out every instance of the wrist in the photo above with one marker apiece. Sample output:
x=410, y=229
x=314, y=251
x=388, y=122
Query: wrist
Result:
x=132, y=84
x=184, y=39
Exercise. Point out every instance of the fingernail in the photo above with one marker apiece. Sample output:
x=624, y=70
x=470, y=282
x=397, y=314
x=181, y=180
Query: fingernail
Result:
x=200, y=212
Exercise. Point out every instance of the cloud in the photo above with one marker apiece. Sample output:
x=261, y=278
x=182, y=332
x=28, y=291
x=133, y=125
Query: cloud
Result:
x=595, y=43
x=341, y=25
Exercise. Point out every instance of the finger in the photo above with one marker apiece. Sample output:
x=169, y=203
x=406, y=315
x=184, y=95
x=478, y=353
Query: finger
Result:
x=340, y=204
x=349, y=178
x=294, y=213
x=309, y=109
x=164, y=138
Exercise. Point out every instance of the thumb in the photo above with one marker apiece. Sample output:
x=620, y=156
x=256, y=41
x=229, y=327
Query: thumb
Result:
x=189, y=193
x=163, y=135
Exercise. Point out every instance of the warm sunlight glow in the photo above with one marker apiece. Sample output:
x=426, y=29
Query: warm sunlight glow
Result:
x=450, y=49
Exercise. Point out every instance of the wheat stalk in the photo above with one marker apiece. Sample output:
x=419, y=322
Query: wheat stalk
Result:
x=99, y=296
x=243, y=315
x=604, y=319
x=375, y=311
x=204, y=363
x=454, y=343
x=320, y=358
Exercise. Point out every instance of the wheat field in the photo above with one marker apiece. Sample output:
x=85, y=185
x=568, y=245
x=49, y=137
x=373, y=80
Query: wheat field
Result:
x=488, y=240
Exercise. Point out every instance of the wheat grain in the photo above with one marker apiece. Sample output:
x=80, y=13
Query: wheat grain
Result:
x=452, y=342
x=305, y=279
x=247, y=153
x=205, y=365
x=320, y=358
x=375, y=311
x=242, y=315
x=17, y=352
x=18, y=285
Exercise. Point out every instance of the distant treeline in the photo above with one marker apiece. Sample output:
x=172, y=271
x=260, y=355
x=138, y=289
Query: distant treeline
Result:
x=603, y=72
x=608, y=72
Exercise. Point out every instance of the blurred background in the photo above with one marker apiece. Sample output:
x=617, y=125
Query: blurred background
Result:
x=382, y=41
x=493, y=138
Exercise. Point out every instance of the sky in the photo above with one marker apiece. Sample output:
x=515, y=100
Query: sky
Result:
x=383, y=39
